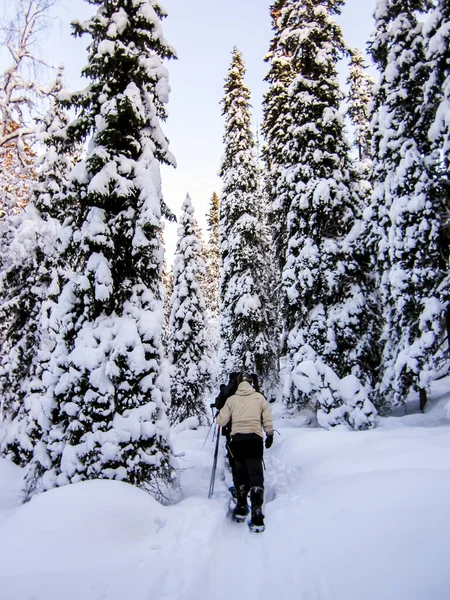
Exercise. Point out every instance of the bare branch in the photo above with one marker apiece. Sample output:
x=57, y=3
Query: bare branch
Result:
x=22, y=90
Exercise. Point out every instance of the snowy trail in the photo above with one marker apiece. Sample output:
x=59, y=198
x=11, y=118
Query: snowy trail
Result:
x=234, y=559
x=210, y=556
x=345, y=512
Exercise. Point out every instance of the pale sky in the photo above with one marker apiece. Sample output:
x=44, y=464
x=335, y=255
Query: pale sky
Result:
x=203, y=32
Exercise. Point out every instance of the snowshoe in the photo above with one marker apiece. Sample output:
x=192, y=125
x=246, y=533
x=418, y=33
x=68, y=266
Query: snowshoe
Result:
x=256, y=522
x=240, y=513
x=256, y=528
x=241, y=509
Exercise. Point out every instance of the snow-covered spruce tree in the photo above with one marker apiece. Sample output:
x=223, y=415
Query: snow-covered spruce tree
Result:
x=435, y=112
x=360, y=98
x=106, y=391
x=328, y=307
x=359, y=109
x=189, y=348
x=167, y=279
x=29, y=276
x=212, y=262
x=437, y=38
x=278, y=149
x=406, y=209
x=248, y=316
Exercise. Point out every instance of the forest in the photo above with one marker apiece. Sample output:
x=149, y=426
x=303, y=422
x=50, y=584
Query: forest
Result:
x=326, y=267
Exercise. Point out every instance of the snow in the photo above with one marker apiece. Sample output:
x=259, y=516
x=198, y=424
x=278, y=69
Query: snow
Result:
x=349, y=515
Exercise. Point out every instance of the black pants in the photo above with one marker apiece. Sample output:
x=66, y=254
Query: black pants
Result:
x=247, y=450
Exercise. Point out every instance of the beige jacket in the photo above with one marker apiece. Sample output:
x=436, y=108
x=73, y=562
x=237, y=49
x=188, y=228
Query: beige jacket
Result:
x=248, y=411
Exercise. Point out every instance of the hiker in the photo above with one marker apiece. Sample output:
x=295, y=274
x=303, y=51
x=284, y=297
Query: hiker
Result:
x=225, y=392
x=249, y=413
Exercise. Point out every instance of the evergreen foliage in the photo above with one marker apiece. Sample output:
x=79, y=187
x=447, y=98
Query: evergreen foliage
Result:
x=167, y=279
x=29, y=276
x=278, y=152
x=105, y=388
x=360, y=99
x=437, y=99
x=189, y=348
x=247, y=312
x=212, y=259
x=406, y=209
x=328, y=305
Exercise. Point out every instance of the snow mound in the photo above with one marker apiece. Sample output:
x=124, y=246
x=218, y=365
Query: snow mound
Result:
x=83, y=524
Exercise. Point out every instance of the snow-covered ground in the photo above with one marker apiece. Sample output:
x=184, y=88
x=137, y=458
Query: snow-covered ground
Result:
x=350, y=516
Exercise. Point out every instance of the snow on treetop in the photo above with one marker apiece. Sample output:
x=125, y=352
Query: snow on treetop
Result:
x=119, y=24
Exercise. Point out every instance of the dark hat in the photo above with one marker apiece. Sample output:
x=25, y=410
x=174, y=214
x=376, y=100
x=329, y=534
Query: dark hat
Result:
x=245, y=376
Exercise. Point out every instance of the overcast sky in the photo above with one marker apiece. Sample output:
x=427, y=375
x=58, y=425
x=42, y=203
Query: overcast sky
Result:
x=203, y=33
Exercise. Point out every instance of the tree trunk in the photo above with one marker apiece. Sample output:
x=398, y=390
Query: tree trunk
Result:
x=423, y=399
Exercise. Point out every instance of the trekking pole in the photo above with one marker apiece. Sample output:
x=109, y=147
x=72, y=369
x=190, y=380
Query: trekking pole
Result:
x=213, y=473
x=207, y=435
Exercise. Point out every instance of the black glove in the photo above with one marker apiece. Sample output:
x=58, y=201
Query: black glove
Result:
x=269, y=440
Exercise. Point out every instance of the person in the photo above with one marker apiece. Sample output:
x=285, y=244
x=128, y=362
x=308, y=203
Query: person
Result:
x=226, y=391
x=249, y=413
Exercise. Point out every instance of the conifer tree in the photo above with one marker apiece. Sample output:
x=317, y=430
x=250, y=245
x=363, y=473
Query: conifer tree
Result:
x=359, y=108
x=189, y=349
x=327, y=303
x=105, y=387
x=247, y=312
x=406, y=209
x=360, y=100
x=167, y=279
x=29, y=276
x=212, y=256
x=435, y=110
x=278, y=151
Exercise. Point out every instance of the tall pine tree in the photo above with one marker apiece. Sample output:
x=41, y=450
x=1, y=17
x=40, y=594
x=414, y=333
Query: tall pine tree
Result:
x=189, y=348
x=326, y=292
x=435, y=112
x=105, y=388
x=247, y=312
x=278, y=152
x=406, y=208
x=30, y=275
x=360, y=99
x=212, y=251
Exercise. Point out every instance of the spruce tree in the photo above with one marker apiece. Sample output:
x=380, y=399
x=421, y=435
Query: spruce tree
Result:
x=167, y=279
x=437, y=35
x=189, y=348
x=29, y=276
x=212, y=255
x=105, y=387
x=360, y=100
x=278, y=150
x=434, y=113
x=247, y=313
x=406, y=208
x=328, y=306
